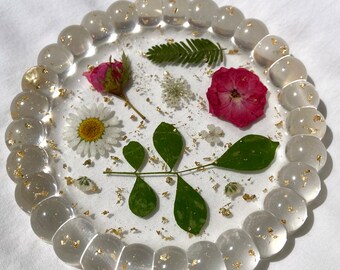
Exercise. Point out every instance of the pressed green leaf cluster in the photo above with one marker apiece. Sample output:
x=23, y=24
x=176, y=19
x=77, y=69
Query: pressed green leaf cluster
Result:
x=250, y=153
x=192, y=52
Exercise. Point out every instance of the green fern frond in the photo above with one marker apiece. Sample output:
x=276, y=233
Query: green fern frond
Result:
x=193, y=52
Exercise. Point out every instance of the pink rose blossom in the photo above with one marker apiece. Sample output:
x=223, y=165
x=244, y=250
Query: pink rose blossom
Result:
x=237, y=96
x=110, y=77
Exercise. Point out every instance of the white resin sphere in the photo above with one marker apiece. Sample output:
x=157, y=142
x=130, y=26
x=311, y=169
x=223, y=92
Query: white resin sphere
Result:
x=238, y=249
x=289, y=207
x=202, y=13
x=136, y=256
x=287, y=70
x=175, y=12
x=306, y=120
x=307, y=149
x=226, y=21
x=269, y=49
x=98, y=24
x=298, y=94
x=123, y=15
x=267, y=232
x=170, y=258
x=249, y=33
x=149, y=12
x=301, y=178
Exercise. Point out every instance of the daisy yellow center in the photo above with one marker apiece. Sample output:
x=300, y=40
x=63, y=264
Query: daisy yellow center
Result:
x=91, y=129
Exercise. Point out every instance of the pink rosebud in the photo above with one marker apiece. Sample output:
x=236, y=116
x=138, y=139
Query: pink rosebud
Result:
x=237, y=96
x=110, y=77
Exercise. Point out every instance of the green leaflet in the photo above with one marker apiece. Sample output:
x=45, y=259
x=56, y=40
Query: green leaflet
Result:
x=193, y=52
x=168, y=143
x=143, y=199
x=134, y=153
x=190, y=209
x=250, y=153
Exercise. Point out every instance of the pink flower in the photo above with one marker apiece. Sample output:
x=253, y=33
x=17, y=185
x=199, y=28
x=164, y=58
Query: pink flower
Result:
x=110, y=77
x=237, y=96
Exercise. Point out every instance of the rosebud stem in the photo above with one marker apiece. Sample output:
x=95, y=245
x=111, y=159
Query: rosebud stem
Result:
x=132, y=107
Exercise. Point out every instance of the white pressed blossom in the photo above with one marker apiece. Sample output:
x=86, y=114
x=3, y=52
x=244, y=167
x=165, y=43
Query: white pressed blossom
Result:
x=213, y=134
x=92, y=131
x=176, y=91
x=85, y=184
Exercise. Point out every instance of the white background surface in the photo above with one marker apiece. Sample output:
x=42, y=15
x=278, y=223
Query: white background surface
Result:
x=312, y=30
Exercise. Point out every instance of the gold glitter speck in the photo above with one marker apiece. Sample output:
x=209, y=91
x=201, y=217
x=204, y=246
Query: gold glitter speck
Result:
x=247, y=197
x=251, y=252
x=164, y=257
x=237, y=265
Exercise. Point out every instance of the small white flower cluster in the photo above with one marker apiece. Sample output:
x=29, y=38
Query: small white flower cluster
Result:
x=213, y=134
x=176, y=91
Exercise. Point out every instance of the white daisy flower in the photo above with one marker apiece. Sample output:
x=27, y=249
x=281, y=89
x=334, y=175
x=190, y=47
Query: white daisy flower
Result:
x=176, y=91
x=92, y=131
x=213, y=134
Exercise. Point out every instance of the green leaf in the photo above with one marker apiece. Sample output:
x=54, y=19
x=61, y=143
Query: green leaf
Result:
x=250, y=153
x=168, y=143
x=143, y=199
x=134, y=153
x=195, y=52
x=190, y=209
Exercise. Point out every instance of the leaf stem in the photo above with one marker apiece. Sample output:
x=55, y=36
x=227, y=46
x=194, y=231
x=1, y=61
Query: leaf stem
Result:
x=160, y=173
x=132, y=107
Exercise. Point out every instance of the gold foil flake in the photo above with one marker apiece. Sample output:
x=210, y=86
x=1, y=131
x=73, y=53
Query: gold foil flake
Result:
x=87, y=213
x=237, y=265
x=28, y=126
x=290, y=209
x=271, y=178
x=216, y=187
x=64, y=166
x=228, y=145
x=230, y=10
x=108, y=100
x=225, y=212
x=74, y=205
x=279, y=124
x=195, y=33
x=141, y=125
x=105, y=212
x=302, y=85
x=226, y=258
x=317, y=118
x=265, y=190
x=310, y=98
x=121, y=198
x=154, y=159
x=248, y=198
x=270, y=231
x=69, y=180
x=283, y=221
x=87, y=163
x=18, y=172
x=286, y=182
x=133, y=117
x=43, y=193
x=274, y=41
x=169, y=180
x=194, y=262
x=62, y=92
x=249, y=24
x=165, y=220
x=20, y=154
x=118, y=232
x=108, y=170
x=319, y=158
x=251, y=252
x=99, y=252
x=52, y=144
x=283, y=50
x=165, y=237
x=76, y=244
x=164, y=257
x=27, y=184
x=209, y=71
x=166, y=194
x=233, y=52
x=11, y=141
x=207, y=159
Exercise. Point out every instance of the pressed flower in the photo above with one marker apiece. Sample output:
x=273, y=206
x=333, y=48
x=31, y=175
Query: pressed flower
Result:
x=213, y=134
x=112, y=78
x=237, y=96
x=92, y=131
x=176, y=91
x=232, y=189
x=85, y=184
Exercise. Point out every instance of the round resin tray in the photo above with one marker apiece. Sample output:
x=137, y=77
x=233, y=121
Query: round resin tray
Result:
x=249, y=214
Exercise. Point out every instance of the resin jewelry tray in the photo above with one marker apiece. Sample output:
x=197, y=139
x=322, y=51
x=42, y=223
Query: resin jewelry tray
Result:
x=97, y=230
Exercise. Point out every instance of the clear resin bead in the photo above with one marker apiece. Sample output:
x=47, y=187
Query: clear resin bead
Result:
x=103, y=253
x=136, y=257
x=72, y=238
x=40, y=79
x=267, y=232
x=49, y=215
x=249, y=33
x=301, y=178
x=202, y=13
x=298, y=94
x=239, y=249
x=25, y=160
x=76, y=39
x=98, y=24
x=269, y=49
x=149, y=12
x=289, y=207
x=175, y=12
x=34, y=188
x=123, y=15
x=307, y=149
x=286, y=70
x=306, y=120
x=227, y=20
x=25, y=131
x=29, y=104
x=205, y=255
x=170, y=258
x=56, y=57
